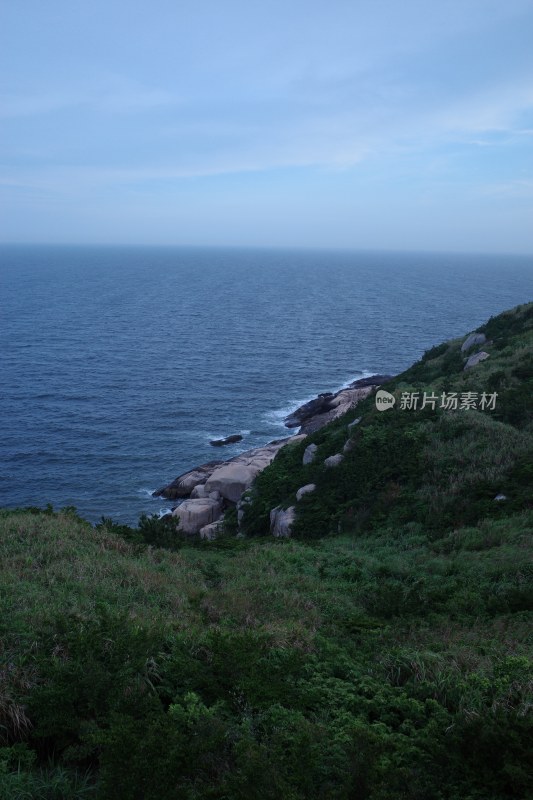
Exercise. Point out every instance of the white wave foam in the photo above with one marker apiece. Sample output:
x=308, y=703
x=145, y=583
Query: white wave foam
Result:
x=146, y=492
x=360, y=375
x=276, y=415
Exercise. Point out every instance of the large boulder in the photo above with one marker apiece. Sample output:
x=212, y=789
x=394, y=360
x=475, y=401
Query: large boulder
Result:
x=475, y=359
x=473, y=340
x=183, y=485
x=372, y=380
x=212, y=530
x=309, y=454
x=281, y=521
x=334, y=461
x=307, y=489
x=234, y=477
x=335, y=407
x=235, y=437
x=309, y=409
x=256, y=459
x=328, y=406
x=193, y=515
x=232, y=480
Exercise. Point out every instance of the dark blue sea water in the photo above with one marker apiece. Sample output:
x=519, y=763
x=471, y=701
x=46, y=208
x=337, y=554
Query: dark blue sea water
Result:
x=118, y=365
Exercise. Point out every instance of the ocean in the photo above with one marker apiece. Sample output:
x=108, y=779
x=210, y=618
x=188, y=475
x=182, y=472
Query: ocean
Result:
x=118, y=365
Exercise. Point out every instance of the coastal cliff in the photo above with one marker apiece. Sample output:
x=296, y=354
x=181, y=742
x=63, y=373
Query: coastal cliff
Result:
x=216, y=485
x=363, y=462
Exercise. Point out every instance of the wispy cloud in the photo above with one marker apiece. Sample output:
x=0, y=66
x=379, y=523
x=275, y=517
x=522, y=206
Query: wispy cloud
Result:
x=111, y=96
x=520, y=188
x=378, y=92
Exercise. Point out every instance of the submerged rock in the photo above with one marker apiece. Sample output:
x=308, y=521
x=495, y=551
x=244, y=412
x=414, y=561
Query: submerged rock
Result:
x=235, y=437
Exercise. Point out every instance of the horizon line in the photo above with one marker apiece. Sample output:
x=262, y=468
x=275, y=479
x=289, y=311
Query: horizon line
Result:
x=272, y=247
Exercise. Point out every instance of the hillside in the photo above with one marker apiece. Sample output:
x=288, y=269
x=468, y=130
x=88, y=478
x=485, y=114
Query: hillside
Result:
x=433, y=467
x=381, y=652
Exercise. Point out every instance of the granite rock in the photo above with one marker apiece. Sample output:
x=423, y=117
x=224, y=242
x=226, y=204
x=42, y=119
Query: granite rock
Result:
x=473, y=340
x=281, y=521
x=192, y=515
x=475, y=359
x=307, y=489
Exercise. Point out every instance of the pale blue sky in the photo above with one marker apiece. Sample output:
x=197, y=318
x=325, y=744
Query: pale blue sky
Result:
x=388, y=124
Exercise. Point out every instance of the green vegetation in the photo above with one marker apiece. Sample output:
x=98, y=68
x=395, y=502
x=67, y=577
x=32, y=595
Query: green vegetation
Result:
x=382, y=653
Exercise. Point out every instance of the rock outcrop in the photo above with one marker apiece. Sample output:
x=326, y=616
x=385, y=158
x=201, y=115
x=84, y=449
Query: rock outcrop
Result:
x=183, y=485
x=334, y=461
x=212, y=486
x=326, y=407
x=307, y=489
x=212, y=530
x=231, y=478
x=281, y=521
x=309, y=454
x=308, y=410
x=476, y=359
x=473, y=340
x=193, y=515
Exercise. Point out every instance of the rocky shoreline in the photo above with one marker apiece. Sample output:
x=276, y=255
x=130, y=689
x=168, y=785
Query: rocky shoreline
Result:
x=209, y=489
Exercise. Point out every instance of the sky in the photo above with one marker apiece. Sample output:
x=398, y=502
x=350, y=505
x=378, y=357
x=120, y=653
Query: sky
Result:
x=369, y=124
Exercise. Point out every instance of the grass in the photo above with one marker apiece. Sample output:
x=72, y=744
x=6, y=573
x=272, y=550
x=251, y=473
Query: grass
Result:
x=383, y=652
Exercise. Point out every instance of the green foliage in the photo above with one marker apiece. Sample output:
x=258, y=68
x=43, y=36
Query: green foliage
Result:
x=382, y=653
x=504, y=327
x=361, y=666
x=20, y=779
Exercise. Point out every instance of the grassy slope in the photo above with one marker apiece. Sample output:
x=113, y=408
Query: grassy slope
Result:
x=437, y=468
x=390, y=660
